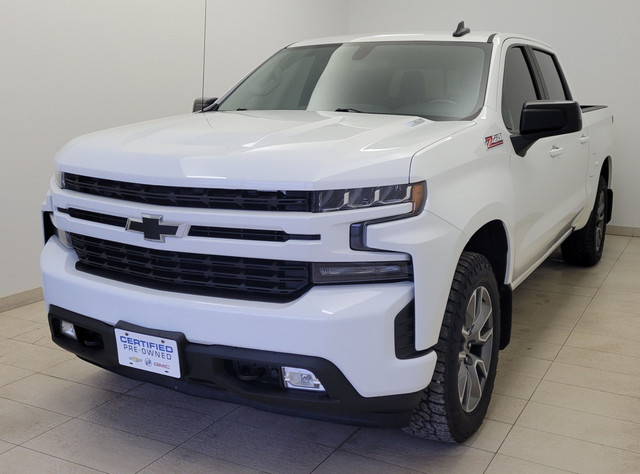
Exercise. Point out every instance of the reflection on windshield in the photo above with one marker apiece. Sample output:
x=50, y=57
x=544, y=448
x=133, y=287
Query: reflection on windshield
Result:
x=440, y=81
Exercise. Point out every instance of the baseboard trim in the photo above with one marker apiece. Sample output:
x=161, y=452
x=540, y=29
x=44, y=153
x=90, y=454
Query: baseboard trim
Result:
x=20, y=299
x=624, y=231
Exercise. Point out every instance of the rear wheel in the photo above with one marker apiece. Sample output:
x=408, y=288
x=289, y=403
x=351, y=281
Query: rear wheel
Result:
x=455, y=402
x=584, y=247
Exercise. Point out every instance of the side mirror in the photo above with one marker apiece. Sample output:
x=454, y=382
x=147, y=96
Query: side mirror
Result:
x=202, y=103
x=546, y=118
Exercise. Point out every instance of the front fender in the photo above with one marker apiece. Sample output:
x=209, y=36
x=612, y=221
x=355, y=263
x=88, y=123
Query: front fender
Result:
x=435, y=247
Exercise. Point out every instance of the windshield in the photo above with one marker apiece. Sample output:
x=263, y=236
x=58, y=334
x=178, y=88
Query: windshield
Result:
x=439, y=81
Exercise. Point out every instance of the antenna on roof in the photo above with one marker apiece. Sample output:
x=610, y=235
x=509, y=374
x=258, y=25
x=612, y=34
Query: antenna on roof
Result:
x=461, y=30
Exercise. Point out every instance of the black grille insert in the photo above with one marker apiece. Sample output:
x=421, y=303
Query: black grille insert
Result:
x=248, y=234
x=95, y=217
x=197, y=230
x=211, y=275
x=235, y=199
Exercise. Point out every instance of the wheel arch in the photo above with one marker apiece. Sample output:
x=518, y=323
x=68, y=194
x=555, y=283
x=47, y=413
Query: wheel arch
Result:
x=492, y=241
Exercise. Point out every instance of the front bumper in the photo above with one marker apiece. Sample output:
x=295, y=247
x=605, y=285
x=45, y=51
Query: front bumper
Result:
x=351, y=326
x=215, y=371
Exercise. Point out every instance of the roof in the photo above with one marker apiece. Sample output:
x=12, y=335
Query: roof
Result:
x=440, y=36
x=478, y=37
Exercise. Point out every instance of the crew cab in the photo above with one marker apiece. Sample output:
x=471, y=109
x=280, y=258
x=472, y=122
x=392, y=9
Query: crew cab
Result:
x=339, y=235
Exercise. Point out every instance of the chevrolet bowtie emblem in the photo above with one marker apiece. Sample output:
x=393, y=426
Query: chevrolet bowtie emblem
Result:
x=154, y=229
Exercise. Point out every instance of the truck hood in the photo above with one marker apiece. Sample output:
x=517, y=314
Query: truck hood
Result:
x=267, y=150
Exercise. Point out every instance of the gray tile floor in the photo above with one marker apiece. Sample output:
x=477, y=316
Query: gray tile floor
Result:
x=567, y=398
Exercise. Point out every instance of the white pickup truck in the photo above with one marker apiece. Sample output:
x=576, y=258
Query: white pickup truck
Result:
x=339, y=235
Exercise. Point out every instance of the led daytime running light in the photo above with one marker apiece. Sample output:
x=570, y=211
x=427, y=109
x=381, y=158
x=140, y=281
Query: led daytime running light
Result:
x=361, y=272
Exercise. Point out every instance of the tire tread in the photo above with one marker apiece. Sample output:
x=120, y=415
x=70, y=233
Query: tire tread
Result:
x=431, y=419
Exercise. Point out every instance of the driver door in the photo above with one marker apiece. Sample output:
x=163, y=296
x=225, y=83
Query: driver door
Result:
x=549, y=180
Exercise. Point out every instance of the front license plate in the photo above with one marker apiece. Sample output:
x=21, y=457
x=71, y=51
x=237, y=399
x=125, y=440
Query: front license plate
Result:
x=150, y=353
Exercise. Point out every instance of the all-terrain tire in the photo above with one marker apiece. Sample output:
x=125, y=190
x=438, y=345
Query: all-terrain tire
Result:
x=584, y=247
x=468, y=344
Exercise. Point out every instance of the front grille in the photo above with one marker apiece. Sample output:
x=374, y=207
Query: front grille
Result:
x=230, y=277
x=174, y=196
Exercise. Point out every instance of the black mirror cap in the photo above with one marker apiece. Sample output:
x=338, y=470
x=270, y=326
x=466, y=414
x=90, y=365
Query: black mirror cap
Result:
x=546, y=118
x=201, y=103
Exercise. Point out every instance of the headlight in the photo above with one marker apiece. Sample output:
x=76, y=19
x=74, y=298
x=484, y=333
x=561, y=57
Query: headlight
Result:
x=358, y=198
x=59, y=179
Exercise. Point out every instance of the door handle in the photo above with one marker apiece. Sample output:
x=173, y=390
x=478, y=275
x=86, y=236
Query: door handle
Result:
x=555, y=151
x=584, y=139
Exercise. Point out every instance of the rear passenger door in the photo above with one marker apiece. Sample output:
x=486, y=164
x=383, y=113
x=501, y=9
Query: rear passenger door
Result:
x=549, y=181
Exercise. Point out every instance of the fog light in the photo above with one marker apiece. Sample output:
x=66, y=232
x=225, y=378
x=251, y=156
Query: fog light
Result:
x=301, y=379
x=68, y=329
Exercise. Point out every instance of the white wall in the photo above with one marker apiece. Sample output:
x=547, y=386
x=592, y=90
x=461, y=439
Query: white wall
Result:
x=69, y=67
x=596, y=41
x=242, y=34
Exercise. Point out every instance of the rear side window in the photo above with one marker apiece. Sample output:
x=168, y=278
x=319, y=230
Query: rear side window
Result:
x=551, y=75
x=517, y=88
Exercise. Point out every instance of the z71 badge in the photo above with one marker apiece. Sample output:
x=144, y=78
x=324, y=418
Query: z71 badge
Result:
x=493, y=141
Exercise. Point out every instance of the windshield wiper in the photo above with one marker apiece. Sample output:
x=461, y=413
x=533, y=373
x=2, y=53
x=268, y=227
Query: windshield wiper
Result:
x=350, y=110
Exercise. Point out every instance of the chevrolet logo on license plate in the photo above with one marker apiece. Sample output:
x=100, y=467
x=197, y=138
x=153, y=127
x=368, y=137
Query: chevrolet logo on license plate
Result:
x=154, y=229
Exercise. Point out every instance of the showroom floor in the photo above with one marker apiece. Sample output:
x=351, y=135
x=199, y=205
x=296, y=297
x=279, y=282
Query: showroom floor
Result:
x=567, y=398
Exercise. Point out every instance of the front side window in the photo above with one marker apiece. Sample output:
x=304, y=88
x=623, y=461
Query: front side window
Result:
x=517, y=88
x=440, y=81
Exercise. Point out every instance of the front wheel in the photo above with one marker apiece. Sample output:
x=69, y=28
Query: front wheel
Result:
x=456, y=401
